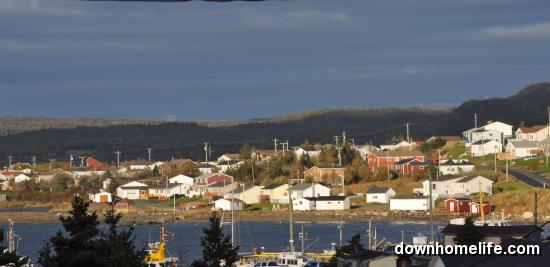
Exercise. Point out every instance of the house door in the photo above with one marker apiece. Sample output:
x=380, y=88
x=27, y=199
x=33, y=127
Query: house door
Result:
x=474, y=209
x=452, y=206
x=103, y=198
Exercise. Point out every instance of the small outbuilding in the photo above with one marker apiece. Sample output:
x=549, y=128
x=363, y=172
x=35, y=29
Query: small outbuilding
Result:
x=380, y=195
x=228, y=204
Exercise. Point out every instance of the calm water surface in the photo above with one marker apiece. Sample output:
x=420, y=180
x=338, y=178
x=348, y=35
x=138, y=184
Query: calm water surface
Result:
x=273, y=236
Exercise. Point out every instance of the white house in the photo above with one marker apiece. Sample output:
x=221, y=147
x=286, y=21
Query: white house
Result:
x=21, y=178
x=247, y=193
x=167, y=191
x=505, y=129
x=409, y=204
x=457, y=186
x=133, y=190
x=402, y=144
x=364, y=150
x=101, y=197
x=485, y=147
x=225, y=166
x=455, y=167
x=380, y=195
x=311, y=153
x=206, y=167
x=524, y=148
x=229, y=157
x=309, y=190
x=228, y=204
x=303, y=204
x=181, y=179
x=332, y=203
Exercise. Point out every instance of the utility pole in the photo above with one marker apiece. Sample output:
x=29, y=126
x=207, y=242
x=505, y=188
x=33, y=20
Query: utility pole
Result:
x=149, y=154
x=118, y=158
x=388, y=163
x=336, y=138
x=9, y=162
x=506, y=167
x=51, y=160
x=339, y=156
x=344, y=138
x=284, y=145
x=496, y=159
x=548, y=136
x=33, y=158
x=352, y=142
x=71, y=162
x=438, y=163
x=81, y=161
x=408, y=137
x=536, y=207
x=275, y=142
x=206, y=150
x=431, y=211
x=475, y=120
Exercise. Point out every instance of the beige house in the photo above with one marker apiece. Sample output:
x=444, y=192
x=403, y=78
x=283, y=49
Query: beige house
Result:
x=328, y=175
x=534, y=133
x=275, y=193
x=247, y=193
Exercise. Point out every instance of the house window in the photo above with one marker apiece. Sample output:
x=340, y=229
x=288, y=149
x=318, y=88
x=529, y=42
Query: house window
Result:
x=433, y=186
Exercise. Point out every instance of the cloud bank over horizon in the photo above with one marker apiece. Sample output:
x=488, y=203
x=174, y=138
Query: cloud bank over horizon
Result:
x=255, y=59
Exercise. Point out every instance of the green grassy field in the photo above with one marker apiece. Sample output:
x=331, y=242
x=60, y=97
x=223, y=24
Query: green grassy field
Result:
x=509, y=186
x=456, y=151
x=170, y=202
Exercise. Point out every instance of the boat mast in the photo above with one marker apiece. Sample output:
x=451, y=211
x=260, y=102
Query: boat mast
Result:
x=482, y=215
x=290, y=220
x=11, y=237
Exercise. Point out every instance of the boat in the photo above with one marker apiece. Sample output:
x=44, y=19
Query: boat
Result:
x=291, y=258
x=157, y=255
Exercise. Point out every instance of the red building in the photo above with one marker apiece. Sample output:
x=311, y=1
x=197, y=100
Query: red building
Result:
x=474, y=208
x=411, y=166
x=377, y=159
x=457, y=204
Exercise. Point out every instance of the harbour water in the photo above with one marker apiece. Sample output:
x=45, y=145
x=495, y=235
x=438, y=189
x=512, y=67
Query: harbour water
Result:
x=272, y=236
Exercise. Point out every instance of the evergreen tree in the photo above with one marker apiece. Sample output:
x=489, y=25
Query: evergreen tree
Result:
x=79, y=248
x=87, y=246
x=468, y=234
x=216, y=247
x=7, y=257
x=117, y=245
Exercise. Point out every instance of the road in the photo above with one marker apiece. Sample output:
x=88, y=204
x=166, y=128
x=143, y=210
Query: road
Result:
x=530, y=178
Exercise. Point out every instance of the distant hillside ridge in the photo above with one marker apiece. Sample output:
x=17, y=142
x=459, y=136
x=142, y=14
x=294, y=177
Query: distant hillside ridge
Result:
x=184, y=139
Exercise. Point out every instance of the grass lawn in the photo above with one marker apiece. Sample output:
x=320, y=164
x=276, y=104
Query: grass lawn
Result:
x=170, y=202
x=457, y=151
x=510, y=186
x=259, y=207
x=537, y=164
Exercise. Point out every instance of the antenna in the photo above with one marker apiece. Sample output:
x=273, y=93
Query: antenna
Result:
x=149, y=153
x=9, y=158
x=408, y=137
x=475, y=120
x=118, y=158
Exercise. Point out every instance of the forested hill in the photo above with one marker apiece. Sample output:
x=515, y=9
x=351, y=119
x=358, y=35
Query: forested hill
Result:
x=184, y=139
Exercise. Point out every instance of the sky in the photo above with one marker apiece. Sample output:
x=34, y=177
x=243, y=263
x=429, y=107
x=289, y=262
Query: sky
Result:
x=241, y=60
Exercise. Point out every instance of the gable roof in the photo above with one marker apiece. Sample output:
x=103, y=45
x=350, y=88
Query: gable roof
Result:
x=397, y=153
x=327, y=198
x=524, y=143
x=271, y=186
x=452, y=162
x=241, y=189
x=531, y=129
x=302, y=186
x=380, y=190
x=482, y=142
x=133, y=185
x=471, y=177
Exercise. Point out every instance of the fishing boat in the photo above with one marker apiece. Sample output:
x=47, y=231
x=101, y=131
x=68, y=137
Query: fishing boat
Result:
x=291, y=258
x=158, y=256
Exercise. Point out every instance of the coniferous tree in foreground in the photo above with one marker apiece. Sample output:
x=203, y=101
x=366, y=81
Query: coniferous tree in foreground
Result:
x=216, y=247
x=117, y=245
x=86, y=245
x=7, y=257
